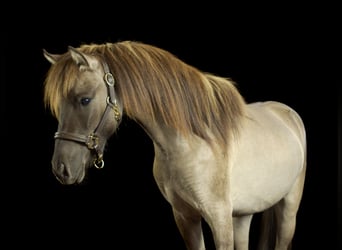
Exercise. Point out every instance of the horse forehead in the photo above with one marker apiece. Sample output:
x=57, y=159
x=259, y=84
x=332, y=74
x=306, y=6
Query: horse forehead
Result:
x=94, y=63
x=92, y=73
x=88, y=80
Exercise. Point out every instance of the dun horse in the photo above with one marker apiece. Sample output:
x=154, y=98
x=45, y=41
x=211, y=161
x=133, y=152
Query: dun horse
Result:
x=217, y=157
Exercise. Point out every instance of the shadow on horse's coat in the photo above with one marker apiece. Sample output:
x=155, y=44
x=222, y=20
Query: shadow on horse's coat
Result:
x=217, y=157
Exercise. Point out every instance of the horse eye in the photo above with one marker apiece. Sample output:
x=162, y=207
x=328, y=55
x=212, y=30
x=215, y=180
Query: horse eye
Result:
x=85, y=101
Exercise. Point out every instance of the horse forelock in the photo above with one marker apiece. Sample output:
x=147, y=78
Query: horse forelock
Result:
x=59, y=81
x=154, y=82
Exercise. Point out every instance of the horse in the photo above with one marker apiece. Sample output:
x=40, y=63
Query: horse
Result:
x=217, y=158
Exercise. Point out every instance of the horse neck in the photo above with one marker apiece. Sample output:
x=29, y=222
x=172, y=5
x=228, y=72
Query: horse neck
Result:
x=165, y=139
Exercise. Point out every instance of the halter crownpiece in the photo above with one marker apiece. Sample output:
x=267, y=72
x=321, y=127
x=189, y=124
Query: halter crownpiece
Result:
x=92, y=140
x=110, y=81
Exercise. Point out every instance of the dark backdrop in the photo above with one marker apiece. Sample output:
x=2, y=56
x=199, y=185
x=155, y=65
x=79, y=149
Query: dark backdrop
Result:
x=283, y=55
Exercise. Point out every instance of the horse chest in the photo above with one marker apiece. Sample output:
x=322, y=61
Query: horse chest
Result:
x=189, y=177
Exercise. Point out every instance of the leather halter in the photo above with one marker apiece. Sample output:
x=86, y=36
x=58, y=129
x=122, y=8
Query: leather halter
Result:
x=92, y=140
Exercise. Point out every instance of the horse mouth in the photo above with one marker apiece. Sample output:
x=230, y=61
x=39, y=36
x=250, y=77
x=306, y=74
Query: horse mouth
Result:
x=70, y=181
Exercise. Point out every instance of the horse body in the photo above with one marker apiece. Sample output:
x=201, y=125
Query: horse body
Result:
x=221, y=160
x=269, y=157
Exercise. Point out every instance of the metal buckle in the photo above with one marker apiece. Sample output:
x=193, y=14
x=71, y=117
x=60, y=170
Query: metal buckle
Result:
x=92, y=141
x=115, y=108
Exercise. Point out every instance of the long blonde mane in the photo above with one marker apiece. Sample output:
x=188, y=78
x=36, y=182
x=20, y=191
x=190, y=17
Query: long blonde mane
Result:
x=157, y=83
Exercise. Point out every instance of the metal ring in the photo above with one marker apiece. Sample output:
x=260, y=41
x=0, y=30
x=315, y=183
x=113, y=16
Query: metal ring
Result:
x=98, y=164
x=109, y=78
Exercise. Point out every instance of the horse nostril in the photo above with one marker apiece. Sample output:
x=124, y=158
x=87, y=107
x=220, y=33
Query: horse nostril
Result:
x=62, y=170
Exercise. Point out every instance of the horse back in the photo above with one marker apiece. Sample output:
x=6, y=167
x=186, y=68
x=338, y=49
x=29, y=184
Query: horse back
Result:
x=290, y=117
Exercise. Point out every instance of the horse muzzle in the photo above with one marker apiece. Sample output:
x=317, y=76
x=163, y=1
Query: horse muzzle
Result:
x=66, y=176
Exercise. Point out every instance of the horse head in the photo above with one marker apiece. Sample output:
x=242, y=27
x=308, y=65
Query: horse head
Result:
x=80, y=91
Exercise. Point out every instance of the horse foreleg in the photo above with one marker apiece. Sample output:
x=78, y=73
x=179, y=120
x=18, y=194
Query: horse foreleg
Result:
x=241, y=231
x=190, y=227
x=220, y=221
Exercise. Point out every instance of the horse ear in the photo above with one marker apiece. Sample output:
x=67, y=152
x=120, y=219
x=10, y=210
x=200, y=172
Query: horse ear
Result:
x=79, y=58
x=52, y=58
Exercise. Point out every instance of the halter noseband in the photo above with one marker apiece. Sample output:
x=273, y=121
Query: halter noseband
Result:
x=92, y=140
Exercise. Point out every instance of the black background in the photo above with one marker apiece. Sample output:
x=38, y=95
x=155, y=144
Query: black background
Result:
x=288, y=54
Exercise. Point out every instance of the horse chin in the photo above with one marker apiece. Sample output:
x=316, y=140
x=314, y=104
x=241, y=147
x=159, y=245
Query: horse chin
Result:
x=80, y=177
